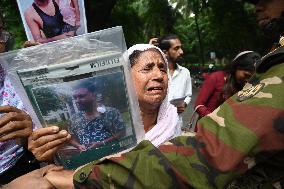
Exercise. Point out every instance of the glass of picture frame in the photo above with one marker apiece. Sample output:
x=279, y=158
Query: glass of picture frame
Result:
x=86, y=91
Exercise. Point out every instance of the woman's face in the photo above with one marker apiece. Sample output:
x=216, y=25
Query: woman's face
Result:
x=150, y=78
x=242, y=76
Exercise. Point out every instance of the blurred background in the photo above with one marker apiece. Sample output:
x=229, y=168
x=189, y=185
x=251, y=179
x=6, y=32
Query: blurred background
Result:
x=212, y=31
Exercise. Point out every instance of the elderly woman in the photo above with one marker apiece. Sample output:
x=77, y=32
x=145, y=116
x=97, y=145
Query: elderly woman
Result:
x=150, y=75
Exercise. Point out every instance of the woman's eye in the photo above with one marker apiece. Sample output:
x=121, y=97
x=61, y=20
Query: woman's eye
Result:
x=163, y=70
x=147, y=68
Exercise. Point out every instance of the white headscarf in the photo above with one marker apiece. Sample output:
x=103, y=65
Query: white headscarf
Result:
x=167, y=126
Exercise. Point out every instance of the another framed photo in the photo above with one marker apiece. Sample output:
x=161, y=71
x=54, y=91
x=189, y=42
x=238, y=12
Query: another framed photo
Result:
x=50, y=20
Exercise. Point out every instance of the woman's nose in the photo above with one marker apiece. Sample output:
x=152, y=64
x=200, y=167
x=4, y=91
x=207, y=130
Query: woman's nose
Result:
x=157, y=73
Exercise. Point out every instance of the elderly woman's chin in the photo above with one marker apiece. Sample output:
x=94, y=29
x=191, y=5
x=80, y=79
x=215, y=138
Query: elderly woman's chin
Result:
x=153, y=99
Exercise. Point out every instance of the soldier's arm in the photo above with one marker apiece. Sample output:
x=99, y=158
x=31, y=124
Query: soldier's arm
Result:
x=209, y=160
x=226, y=144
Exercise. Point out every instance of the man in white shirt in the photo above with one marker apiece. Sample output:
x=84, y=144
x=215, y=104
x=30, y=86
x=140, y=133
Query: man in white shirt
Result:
x=180, y=86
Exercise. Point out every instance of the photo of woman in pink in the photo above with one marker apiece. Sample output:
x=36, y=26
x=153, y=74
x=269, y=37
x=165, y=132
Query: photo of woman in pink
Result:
x=71, y=15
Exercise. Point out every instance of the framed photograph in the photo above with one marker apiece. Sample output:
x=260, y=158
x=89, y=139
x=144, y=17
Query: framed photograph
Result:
x=92, y=106
x=83, y=85
x=50, y=20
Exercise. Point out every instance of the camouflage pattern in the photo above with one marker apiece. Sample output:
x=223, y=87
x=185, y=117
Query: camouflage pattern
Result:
x=240, y=135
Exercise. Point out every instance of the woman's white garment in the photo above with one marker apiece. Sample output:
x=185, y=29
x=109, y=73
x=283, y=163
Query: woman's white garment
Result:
x=168, y=125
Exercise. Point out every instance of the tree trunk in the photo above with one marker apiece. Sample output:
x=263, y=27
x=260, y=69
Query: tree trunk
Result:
x=201, y=51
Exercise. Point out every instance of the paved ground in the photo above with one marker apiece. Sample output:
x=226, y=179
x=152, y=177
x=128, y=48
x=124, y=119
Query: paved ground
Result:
x=187, y=114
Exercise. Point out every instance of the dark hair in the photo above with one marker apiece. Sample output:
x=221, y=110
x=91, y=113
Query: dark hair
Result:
x=136, y=54
x=246, y=61
x=90, y=86
x=164, y=41
x=243, y=61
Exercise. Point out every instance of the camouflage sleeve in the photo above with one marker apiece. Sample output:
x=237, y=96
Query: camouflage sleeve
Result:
x=238, y=135
x=265, y=175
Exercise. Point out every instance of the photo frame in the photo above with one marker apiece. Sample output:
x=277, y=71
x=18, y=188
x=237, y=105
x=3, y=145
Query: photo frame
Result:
x=53, y=100
x=48, y=77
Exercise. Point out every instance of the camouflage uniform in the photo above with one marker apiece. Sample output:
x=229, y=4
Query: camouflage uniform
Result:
x=246, y=131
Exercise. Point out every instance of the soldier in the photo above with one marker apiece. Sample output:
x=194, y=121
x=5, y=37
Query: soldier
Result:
x=246, y=131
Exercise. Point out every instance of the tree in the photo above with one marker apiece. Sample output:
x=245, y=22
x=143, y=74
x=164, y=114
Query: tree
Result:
x=225, y=27
x=143, y=19
x=234, y=28
x=159, y=18
x=126, y=14
x=47, y=100
x=193, y=8
x=98, y=13
x=13, y=22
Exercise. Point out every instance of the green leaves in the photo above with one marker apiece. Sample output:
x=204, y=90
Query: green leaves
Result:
x=13, y=22
x=222, y=26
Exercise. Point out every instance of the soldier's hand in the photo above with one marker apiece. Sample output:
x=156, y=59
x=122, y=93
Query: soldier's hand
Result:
x=14, y=124
x=45, y=142
x=32, y=180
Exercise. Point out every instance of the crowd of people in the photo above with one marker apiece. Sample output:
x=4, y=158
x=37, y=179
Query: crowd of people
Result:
x=238, y=143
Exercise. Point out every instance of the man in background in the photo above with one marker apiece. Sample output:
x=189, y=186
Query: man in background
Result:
x=180, y=84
